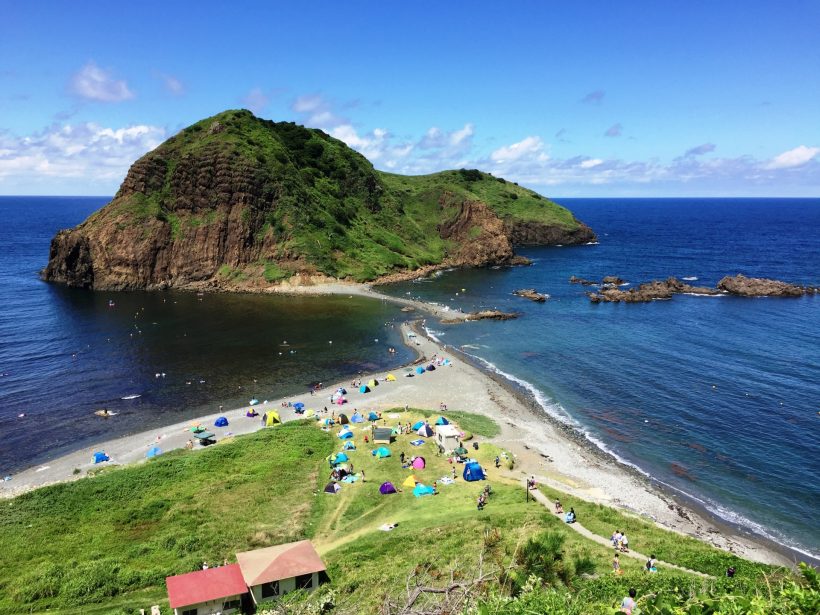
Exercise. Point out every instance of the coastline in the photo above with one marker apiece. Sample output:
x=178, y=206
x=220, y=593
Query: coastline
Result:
x=556, y=454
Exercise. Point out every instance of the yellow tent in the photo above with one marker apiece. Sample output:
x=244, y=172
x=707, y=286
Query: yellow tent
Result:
x=390, y=378
x=410, y=481
x=272, y=418
x=310, y=412
x=372, y=384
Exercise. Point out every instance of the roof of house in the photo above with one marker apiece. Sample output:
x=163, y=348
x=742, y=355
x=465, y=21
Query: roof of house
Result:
x=279, y=562
x=205, y=585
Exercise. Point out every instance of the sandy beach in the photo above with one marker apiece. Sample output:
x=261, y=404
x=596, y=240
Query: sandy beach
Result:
x=542, y=449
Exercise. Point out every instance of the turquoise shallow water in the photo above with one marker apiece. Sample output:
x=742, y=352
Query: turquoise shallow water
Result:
x=715, y=397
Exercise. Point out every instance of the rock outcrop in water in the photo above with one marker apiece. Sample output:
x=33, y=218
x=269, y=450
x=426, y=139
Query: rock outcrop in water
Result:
x=531, y=294
x=738, y=285
x=235, y=202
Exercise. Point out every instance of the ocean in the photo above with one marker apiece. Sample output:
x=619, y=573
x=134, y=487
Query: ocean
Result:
x=714, y=397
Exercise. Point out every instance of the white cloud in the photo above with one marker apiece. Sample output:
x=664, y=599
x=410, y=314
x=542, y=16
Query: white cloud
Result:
x=590, y=163
x=317, y=112
x=173, y=85
x=796, y=157
x=93, y=83
x=530, y=147
x=256, y=100
x=308, y=103
x=100, y=155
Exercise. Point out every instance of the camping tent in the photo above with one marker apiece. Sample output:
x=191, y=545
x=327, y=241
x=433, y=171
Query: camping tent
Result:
x=298, y=405
x=418, y=463
x=364, y=389
x=271, y=418
x=349, y=446
x=221, y=422
x=442, y=421
x=153, y=452
x=390, y=378
x=418, y=425
x=473, y=471
x=343, y=420
x=332, y=487
x=372, y=417
x=356, y=418
x=431, y=368
x=419, y=370
x=387, y=488
x=421, y=490
x=372, y=383
x=410, y=481
x=99, y=457
x=340, y=458
x=345, y=434
x=425, y=431
x=381, y=452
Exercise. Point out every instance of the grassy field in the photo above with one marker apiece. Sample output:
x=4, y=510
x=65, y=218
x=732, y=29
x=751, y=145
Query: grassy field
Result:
x=104, y=544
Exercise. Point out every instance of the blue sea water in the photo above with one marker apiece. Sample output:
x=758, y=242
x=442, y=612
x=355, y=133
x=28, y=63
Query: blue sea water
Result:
x=715, y=397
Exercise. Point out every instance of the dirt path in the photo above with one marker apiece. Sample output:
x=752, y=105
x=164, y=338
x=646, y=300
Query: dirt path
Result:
x=543, y=500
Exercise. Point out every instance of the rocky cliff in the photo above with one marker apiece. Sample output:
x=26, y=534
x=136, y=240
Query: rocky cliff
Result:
x=234, y=202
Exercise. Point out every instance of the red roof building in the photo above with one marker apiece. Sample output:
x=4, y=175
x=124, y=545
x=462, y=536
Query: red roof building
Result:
x=207, y=591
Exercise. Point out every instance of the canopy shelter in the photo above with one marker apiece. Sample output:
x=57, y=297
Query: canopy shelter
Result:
x=418, y=463
x=333, y=488
x=421, y=490
x=425, y=431
x=364, y=389
x=381, y=452
x=387, y=488
x=205, y=438
x=473, y=471
x=410, y=481
x=153, y=452
x=221, y=422
x=442, y=421
x=100, y=456
x=390, y=378
x=372, y=416
x=271, y=418
x=343, y=420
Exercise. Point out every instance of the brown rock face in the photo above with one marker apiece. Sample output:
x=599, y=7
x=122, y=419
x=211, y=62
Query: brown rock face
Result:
x=479, y=231
x=761, y=287
x=535, y=234
x=531, y=294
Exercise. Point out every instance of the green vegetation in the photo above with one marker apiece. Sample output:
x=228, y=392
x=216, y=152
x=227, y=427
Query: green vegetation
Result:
x=105, y=544
x=315, y=200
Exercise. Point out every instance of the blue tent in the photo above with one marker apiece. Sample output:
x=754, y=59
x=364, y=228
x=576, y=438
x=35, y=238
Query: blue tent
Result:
x=418, y=425
x=420, y=490
x=431, y=368
x=372, y=417
x=349, y=446
x=345, y=434
x=153, y=452
x=99, y=457
x=442, y=421
x=419, y=370
x=381, y=452
x=357, y=418
x=364, y=389
x=340, y=458
x=473, y=471
x=298, y=405
x=221, y=422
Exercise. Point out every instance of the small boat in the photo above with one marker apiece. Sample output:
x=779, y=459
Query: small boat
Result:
x=131, y=396
x=105, y=413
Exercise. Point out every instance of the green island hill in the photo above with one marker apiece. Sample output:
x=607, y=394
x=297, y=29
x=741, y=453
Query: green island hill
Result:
x=106, y=542
x=235, y=202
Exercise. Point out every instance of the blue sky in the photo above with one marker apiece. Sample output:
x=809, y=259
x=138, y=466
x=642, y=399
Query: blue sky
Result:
x=572, y=99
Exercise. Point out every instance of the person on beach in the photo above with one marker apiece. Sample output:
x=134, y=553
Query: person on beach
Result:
x=628, y=603
x=570, y=518
x=454, y=473
x=651, y=564
x=189, y=444
x=624, y=544
x=730, y=572
x=559, y=508
x=532, y=482
x=616, y=564
x=362, y=473
x=497, y=462
x=401, y=457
